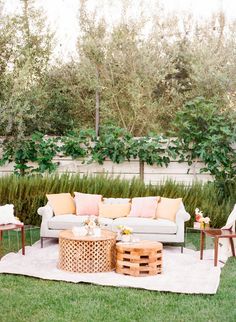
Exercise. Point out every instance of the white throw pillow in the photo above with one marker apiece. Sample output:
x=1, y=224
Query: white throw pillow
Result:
x=7, y=215
x=116, y=201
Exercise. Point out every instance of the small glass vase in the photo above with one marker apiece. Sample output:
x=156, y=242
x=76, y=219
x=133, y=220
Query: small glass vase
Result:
x=204, y=226
x=90, y=231
x=126, y=238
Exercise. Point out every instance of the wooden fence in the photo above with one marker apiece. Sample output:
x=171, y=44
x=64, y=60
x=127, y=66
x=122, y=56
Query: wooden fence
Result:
x=180, y=172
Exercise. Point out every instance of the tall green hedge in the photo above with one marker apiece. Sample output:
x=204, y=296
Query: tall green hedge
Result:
x=29, y=193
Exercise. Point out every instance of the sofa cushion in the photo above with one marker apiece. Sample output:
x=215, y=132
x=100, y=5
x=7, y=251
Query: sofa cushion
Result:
x=144, y=207
x=147, y=225
x=114, y=210
x=116, y=201
x=69, y=221
x=167, y=208
x=108, y=222
x=66, y=221
x=87, y=204
x=61, y=203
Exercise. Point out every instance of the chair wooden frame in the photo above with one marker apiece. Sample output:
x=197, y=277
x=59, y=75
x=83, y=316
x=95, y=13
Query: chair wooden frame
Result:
x=217, y=234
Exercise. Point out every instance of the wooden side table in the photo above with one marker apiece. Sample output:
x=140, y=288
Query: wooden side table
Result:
x=13, y=227
x=139, y=259
x=217, y=234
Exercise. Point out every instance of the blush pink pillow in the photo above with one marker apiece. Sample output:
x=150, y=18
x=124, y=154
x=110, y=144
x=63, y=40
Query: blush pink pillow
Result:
x=144, y=207
x=87, y=204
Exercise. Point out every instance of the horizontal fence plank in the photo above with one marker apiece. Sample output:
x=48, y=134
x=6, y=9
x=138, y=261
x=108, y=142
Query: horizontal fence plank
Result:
x=181, y=178
x=129, y=167
x=175, y=168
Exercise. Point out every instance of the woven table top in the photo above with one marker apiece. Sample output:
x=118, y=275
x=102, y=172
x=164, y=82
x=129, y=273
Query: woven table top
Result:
x=105, y=235
x=144, y=244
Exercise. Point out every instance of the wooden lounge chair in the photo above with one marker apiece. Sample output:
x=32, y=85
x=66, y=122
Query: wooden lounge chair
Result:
x=226, y=232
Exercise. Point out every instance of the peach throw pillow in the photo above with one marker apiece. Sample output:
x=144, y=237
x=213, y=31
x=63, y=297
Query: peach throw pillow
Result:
x=114, y=210
x=87, y=204
x=144, y=207
x=167, y=208
x=61, y=203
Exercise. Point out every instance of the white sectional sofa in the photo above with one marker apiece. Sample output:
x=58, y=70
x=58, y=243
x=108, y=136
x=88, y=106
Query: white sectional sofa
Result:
x=162, y=230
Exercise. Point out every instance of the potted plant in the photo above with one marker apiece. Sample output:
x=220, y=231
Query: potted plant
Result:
x=125, y=233
x=201, y=222
x=93, y=227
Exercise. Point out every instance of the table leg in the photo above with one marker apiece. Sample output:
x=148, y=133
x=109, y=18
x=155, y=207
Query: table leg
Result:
x=9, y=239
x=30, y=231
x=216, y=242
x=202, y=244
x=23, y=239
x=17, y=238
x=1, y=244
x=232, y=246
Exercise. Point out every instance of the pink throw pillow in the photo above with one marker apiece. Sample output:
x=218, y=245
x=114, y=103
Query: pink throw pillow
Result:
x=144, y=207
x=87, y=204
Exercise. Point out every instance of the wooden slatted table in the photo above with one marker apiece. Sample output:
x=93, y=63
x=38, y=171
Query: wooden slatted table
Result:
x=87, y=254
x=139, y=259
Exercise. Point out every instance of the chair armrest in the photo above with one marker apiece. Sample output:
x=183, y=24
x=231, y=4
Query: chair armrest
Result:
x=182, y=214
x=46, y=212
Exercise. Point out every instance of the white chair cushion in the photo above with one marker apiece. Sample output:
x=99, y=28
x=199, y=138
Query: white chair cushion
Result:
x=7, y=215
x=147, y=225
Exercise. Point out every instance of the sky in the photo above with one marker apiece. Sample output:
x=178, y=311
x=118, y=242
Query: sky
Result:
x=63, y=14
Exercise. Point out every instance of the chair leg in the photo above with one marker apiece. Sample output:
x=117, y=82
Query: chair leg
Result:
x=232, y=246
x=41, y=240
x=216, y=242
x=23, y=240
x=202, y=244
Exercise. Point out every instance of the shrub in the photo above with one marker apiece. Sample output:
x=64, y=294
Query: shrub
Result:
x=208, y=134
x=35, y=149
x=154, y=149
x=114, y=143
x=78, y=144
x=29, y=193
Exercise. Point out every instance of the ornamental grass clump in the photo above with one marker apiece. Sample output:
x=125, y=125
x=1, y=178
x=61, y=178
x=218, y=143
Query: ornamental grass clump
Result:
x=29, y=193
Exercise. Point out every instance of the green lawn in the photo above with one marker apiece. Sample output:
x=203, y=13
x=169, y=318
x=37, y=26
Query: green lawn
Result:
x=29, y=299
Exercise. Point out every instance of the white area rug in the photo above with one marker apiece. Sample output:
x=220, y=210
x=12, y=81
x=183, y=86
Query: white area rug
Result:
x=182, y=273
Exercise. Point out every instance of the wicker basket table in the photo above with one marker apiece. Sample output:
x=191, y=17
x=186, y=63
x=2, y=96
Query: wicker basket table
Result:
x=87, y=254
x=139, y=259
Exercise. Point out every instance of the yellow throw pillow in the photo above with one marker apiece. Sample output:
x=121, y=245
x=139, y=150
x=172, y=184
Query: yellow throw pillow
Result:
x=61, y=203
x=167, y=208
x=114, y=210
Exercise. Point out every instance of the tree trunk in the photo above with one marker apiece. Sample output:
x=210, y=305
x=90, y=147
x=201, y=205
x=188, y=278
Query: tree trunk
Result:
x=97, y=113
x=141, y=170
x=97, y=108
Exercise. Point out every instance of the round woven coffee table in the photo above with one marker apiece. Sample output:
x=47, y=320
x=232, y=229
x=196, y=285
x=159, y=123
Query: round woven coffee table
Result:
x=87, y=254
x=139, y=259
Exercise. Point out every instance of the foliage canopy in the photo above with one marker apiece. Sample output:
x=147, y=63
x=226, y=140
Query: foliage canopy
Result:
x=140, y=71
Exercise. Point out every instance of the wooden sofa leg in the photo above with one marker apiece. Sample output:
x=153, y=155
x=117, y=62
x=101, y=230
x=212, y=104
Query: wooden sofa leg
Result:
x=41, y=239
x=182, y=249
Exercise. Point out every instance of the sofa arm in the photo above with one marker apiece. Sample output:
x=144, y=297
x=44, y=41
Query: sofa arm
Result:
x=46, y=212
x=182, y=214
